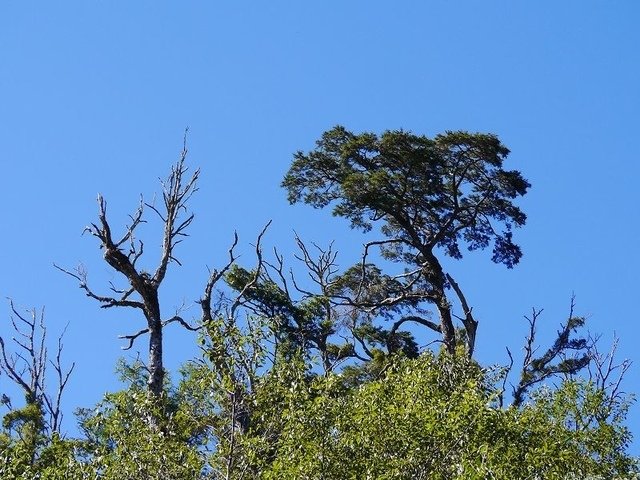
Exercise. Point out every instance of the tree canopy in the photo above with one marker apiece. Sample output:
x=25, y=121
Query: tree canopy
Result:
x=425, y=194
x=321, y=379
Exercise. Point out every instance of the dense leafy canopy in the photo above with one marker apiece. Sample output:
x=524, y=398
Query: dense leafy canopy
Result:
x=436, y=418
x=426, y=193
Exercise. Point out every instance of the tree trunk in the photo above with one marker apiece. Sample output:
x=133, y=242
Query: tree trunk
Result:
x=448, y=330
x=436, y=277
x=156, y=369
x=155, y=381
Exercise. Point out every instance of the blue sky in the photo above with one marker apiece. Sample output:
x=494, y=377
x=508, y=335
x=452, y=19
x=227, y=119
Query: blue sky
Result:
x=95, y=96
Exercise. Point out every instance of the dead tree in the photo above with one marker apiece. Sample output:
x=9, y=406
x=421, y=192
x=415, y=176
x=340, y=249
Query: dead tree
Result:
x=123, y=253
x=606, y=372
x=27, y=365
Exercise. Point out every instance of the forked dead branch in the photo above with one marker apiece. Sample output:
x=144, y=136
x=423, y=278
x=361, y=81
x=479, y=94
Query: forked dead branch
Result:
x=123, y=254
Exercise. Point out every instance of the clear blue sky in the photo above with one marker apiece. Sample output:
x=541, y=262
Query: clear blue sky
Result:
x=95, y=95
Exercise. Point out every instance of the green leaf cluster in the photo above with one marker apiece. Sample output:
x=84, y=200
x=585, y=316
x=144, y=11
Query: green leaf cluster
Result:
x=435, y=417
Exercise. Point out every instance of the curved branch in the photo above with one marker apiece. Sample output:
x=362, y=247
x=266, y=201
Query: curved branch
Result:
x=415, y=319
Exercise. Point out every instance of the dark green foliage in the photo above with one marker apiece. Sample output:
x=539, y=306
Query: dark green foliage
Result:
x=294, y=325
x=567, y=355
x=427, y=193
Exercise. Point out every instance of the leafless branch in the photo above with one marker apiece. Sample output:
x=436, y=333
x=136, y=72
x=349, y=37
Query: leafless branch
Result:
x=27, y=366
x=214, y=277
x=278, y=268
x=136, y=219
x=53, y=405
x=321, y=269
x=415, y=319
x=505, y=376
x=106, y=302
x=176, y=193
x=132, y=338
x=240, y=297
x=181, y=322
x=606, y=372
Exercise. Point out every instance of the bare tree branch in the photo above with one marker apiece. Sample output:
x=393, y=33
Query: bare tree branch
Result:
x=415, y=319
x=240, y=298
x=214, y=277
x=606, y=372
x=27, y=366
x=178, y=319
x=107, y=302
x=132, y=338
